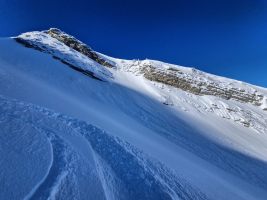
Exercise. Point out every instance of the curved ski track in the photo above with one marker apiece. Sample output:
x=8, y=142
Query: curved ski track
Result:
x=115, y=168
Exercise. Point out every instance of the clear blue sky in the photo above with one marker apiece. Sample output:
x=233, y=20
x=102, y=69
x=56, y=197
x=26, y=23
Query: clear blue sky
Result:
x=224, y=37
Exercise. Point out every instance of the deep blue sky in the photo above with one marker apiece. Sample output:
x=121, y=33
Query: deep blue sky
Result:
x=224, y=37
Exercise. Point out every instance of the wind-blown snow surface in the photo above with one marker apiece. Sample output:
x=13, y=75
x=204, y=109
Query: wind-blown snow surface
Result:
x=65, y=135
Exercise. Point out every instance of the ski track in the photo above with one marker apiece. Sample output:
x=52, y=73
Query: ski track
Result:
x=57, y=172
x=123, y=170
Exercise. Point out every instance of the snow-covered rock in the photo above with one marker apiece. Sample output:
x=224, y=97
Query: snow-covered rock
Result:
x=43, y=42
x=196, y=82
x=79, y=46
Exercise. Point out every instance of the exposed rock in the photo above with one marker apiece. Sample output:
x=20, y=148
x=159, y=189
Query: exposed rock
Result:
x=44, y=49
x=77, y=45
x=188, y=82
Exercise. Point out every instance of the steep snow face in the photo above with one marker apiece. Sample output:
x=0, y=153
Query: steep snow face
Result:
x=123, y=138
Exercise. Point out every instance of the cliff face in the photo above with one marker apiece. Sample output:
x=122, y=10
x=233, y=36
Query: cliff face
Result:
x=197, y=82
x=190, y=83
x=77, y=45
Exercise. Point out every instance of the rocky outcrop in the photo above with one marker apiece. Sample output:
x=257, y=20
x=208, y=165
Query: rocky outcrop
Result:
x=36, y=47
x=77, y=45
x=193, y=83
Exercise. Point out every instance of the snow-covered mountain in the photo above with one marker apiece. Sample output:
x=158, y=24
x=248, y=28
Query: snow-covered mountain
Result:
x=77, y=124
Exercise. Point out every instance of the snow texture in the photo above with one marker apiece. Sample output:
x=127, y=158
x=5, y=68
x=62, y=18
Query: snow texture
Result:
x=69, y=136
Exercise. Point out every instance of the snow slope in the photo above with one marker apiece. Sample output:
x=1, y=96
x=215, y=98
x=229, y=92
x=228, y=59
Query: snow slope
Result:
x=66, y=135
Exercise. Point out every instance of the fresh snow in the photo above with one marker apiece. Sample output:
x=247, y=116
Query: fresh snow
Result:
x=65, y=135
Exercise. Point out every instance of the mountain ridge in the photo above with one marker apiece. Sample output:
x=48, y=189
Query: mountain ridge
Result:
x=191, y=80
